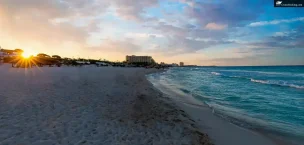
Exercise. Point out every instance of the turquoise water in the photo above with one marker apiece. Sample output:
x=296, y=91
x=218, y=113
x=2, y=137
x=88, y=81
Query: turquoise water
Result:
x=268, y=98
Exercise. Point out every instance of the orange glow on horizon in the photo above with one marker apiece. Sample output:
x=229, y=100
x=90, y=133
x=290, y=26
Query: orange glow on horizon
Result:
x=27, y=54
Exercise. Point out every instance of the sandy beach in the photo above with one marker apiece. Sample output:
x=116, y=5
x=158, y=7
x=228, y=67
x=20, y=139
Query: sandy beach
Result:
x=89, y=105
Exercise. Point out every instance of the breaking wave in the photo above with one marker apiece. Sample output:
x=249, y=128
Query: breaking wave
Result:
x=216, y=73
x=277, y=83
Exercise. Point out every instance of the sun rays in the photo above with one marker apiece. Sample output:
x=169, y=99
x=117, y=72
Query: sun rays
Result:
x=26, y=55
x=25, y=60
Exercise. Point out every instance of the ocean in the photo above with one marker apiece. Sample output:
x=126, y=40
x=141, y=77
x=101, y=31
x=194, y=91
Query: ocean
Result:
x=263, y=98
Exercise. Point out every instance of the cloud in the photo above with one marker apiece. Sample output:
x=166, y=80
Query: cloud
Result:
x=241, y=61
x=193, y=45
x=281, y=40
x=48, y=20
x=170, y=30
x=276, y=34
x=132, y=9
x=190, y=26
x=246, y=51
x=214, y=26
x=275, y=22
x=227, y=12
x=54, y=9
x=120, y=46
x=263, y=51
x=188, y=2
x=178, y=46
x=188, y=38
x=209, y=34
x=26, y=23
x=143, y=35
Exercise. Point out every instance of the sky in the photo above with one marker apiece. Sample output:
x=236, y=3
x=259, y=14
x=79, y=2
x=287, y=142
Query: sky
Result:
x=201, y=32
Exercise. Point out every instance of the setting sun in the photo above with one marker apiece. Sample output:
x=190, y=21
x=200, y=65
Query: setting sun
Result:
x=26, y=55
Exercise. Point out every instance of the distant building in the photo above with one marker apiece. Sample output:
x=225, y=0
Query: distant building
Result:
x=2, y=54
x=136, y=59
x=190, y=66
x=181, y=64
x=174, y=65
x=9, y=53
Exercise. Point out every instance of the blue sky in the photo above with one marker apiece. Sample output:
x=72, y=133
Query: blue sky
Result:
x=209, y=32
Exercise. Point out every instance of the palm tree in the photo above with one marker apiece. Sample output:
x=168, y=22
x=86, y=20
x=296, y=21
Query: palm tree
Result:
x=43, y=55
x=19, y=51
x=56, y=56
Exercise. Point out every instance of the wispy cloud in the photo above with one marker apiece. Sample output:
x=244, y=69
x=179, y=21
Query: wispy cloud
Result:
x=275, y=22
x=143, y=35
x=224, y=12
x=214, y=26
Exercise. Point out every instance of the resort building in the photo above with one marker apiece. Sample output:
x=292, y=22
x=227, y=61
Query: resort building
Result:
x=174, y=65
x=2, y=54
x=9, y=53
x=136, y=59
x=181, y=64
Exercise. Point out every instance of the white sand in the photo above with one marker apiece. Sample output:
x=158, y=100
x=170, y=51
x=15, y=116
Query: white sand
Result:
x=220, y=131
x=69, y=105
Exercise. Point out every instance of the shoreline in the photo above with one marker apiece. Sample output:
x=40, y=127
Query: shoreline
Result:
x=221, y=131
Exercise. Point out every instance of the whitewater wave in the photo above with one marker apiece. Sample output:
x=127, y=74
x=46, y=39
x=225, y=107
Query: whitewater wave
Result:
x=219, y=74
x=259, y=81
x=269, y=82
x=283, y=84
x=267, y=73
x=216, y=73
x=237, y=77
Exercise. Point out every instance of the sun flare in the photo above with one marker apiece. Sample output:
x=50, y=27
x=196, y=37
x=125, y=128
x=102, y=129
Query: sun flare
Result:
x=27, y=54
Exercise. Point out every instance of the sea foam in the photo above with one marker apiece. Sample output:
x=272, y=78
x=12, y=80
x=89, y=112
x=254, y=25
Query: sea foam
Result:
x=216, y=73
x=277, y=83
